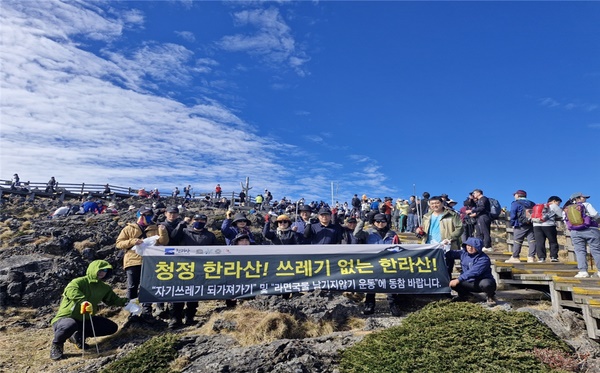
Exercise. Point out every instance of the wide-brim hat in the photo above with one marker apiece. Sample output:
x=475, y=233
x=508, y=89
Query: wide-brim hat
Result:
x=240, y=217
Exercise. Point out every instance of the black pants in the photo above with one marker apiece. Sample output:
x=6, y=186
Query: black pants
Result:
x=64, y=328
x=486, y=285
x=541, y=233
x=134, y=275
x=484, y=223
x=178, y=312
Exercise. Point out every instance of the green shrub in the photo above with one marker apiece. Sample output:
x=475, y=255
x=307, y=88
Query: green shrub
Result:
x=456, y=337
x=153, y=356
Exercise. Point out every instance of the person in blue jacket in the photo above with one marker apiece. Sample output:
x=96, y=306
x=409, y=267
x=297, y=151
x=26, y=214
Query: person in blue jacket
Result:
x=522, y=227
x=476, y=276
x=233, y=227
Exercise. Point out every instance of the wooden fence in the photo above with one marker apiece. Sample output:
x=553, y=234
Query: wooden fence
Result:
x=31, y=190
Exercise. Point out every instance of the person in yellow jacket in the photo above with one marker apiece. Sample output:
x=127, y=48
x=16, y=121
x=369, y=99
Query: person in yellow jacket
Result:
x=134, y=234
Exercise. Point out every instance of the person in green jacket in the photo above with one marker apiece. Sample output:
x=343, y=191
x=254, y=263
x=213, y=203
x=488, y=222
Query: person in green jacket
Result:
x=82, y=295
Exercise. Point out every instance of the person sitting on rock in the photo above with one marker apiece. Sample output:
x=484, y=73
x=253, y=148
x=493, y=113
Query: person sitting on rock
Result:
x=80, y=296
x=233, y=227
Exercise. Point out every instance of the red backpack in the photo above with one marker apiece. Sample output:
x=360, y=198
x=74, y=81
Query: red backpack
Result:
x=539, y=211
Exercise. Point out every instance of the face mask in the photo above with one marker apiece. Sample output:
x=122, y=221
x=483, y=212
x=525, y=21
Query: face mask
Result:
x=145, y=220
x=199, y=225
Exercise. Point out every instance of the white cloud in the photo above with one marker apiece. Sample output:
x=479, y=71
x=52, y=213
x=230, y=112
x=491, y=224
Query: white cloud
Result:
x=98, y=117
x=186, y=35
x=271, y=39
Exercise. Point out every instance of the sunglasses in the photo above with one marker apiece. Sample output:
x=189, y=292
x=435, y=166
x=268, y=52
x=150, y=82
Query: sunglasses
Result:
x=380, y=221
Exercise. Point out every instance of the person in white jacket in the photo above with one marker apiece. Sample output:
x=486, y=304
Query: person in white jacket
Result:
x=545, y=229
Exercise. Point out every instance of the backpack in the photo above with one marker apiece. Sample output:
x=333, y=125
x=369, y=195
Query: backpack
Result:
x=539, y=212
x=577, y=218
x=524, y=215
x=382, y=207
x=495, y=208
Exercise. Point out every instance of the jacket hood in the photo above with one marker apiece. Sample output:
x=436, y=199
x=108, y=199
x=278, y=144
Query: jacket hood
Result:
x=475, y=242
x=94, y=267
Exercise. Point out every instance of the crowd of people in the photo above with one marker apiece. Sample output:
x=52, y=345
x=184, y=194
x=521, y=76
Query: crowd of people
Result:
x=464, y=234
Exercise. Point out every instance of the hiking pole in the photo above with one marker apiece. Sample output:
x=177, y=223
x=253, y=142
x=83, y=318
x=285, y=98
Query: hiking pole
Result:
x=94, y=333
x=83, y=337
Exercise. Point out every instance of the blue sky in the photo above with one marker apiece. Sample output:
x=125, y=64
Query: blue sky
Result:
x=380, y=98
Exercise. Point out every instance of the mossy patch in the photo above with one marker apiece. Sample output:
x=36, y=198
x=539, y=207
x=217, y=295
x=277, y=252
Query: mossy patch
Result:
x=154, y=356
x=456, y=337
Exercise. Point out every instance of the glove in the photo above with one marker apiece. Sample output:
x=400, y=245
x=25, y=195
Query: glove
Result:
x=86, y=307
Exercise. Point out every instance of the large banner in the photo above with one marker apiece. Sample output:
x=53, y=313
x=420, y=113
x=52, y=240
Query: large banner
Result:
x=188, y=273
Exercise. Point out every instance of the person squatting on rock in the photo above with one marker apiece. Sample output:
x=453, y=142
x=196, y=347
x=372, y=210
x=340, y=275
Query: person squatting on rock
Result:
x=476, y=276
x=80, y=296
x=134, y=234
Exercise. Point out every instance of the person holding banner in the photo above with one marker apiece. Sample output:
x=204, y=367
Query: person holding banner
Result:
x=381, y=234
x=81, y=296
x=476, y=276
x=195, y=234
x=134, y=234
x=240, y=239
x=441, y=225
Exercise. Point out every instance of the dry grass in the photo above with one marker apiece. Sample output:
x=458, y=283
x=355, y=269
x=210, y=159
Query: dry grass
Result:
x=26, y=348
x=81, y=245
x=250, y=327
x=42, y=239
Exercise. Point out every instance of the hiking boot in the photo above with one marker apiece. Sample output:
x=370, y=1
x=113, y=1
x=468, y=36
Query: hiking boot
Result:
x=487, y=250
x=230, y=303
x=582, y=274
x=542, y=260
x=512, y=260
x=148, y=319
x=175, y=323
x=554, y=260
x=161, y=314
x=491, y=301
x=530, y=259
x=460, y=298
x=369, y=308
x=78, y=341
x=395, y=310
x=56, y=351
x=189, y=321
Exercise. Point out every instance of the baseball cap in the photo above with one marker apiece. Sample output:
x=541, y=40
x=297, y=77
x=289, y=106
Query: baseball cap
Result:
x=578, y=194
x=173, y=209
x=521, y=193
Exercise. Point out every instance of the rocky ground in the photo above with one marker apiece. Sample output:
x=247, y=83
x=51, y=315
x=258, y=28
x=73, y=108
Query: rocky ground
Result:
x=39, y=256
